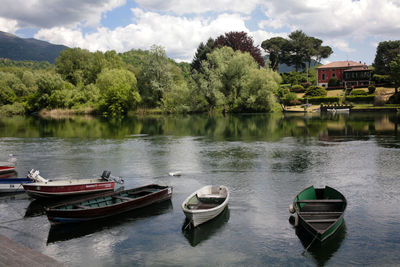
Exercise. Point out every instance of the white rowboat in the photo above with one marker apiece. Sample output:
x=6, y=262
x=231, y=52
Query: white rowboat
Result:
x=205, y=204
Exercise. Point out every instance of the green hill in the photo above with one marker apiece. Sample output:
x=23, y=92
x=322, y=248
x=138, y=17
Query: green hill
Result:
x=16, y=48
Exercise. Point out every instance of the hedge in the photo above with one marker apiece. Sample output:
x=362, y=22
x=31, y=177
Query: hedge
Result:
x=297, y=88
x=321, y=99
x=361, y=98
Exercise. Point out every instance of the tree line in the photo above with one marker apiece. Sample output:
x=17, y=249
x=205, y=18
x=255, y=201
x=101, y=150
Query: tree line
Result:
x=227, y=74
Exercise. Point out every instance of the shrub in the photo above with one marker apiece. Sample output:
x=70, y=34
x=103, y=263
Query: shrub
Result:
x=297, y=88
x=290, y=99
x=381, y=79
x=282, y=91
x=314, y=91
x=320, y=100
x=333, y=82
x=371, y=89
x=358, y=92
x=13, y=109
x=361, y=98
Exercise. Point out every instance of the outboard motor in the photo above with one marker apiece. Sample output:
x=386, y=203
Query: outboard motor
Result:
x=106, y=174
x=34, y=175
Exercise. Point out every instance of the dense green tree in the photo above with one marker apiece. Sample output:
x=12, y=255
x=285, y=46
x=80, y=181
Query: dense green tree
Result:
x=260, y=90
x=72, y=64
x=299, y=46
x=134, y=60
x=232, y=82
x=155, y=77
x=47, y=84
x=118, y=90
x=276, y=48
x=201, y=54
x=177, y=99
x=297, y=50
x=7, y=95
x=386, y=52
x=14, y=83
x=395, y=72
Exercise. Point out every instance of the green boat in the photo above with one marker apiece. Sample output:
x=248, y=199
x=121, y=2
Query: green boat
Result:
x=319, y=211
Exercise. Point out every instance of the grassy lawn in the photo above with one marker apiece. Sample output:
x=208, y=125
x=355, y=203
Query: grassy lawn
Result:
x=380, y=91
x=383, y=91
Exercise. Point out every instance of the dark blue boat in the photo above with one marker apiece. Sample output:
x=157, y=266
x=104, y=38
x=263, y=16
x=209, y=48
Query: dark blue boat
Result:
x=12, y=185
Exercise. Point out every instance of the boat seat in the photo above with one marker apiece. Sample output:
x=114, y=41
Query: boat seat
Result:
x=321, y=221
x=320, y=201
x=210, y=196
x=81, y=206
x=123, y=198
x=320, y=213
x=201, y=206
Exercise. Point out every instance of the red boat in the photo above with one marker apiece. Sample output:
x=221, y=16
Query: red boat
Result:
x=43, y=188
x=8, y=166
x=108, y=204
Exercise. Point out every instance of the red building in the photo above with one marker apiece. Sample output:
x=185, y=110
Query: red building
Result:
x=348, y=73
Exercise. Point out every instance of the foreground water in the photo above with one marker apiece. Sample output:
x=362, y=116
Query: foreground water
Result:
x=265, y=160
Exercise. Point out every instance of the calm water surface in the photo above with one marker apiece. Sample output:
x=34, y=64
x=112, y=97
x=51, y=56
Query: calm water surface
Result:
x=265, y=160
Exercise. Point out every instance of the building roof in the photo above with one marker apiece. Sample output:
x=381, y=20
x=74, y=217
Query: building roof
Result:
x=364, y=68
x=342, y=64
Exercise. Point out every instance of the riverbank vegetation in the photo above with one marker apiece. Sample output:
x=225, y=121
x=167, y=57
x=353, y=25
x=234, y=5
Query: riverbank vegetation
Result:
x=227, y=75
x=229, y=78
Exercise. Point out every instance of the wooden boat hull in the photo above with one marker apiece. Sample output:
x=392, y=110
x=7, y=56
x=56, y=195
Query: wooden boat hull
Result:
x=9, y=185
x=320, y=211
x=203, y=211
x=108, y=204
x=67, y=188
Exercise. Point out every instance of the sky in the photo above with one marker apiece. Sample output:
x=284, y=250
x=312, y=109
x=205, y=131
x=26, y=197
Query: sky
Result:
x=353, y=28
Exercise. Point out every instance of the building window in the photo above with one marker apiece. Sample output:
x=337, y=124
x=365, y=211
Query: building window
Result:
x=323, y=76
x=333, y=75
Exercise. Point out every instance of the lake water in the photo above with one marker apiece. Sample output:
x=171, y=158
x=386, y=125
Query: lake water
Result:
x=265, y=160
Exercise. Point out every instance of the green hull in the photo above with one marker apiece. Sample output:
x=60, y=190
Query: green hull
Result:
x=320, y=211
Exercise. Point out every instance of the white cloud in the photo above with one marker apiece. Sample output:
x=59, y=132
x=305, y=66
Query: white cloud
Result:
x=7, y=25
x=198, y=7
x=48, y=14
x=335, y=18
x=180, y=36
x=342, y=45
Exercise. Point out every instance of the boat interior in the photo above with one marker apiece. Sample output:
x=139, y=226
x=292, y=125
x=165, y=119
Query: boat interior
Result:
x=109, y=200
x=205, y=201
x=322, y=209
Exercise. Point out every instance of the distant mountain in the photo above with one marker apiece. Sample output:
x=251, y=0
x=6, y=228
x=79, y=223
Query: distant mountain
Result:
x=283, y=68
x=16, y=48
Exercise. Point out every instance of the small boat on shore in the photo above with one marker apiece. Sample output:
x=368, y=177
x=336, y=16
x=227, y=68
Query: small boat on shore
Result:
x=43, y=188
x=319, y=211
x=107, y=204
x=13, y=185
x=8, y=166
x=205, y=204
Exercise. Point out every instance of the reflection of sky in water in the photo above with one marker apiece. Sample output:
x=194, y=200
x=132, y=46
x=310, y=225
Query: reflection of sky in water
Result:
x=264, y=167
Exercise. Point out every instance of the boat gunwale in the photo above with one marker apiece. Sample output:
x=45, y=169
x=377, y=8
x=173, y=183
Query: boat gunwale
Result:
x=320, y=233
x=63, y=182
x=55, y=207
x=223, y=204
